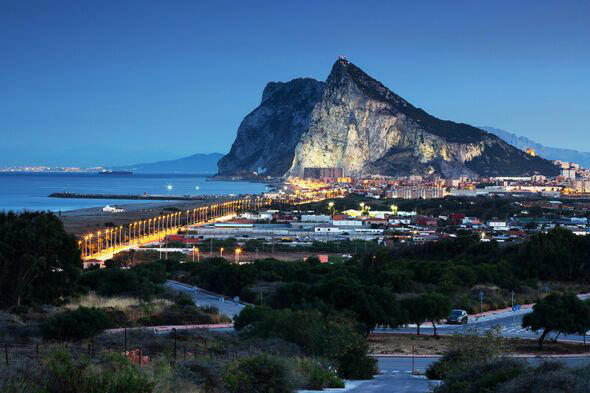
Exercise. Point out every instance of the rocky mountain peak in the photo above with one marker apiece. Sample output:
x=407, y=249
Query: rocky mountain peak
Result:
x=353, y=121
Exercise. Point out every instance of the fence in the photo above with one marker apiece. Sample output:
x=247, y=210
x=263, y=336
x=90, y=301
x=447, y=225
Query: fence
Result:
x=140, y=351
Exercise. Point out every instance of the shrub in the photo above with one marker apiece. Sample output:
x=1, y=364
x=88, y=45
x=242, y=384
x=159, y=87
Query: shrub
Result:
x=61, y=373
x=483, y=377
x=205, y=374
x=336, y=338
x=76, y=325
x=257, y=374
x=315, y=375
x=466, y=350
x=183, y=315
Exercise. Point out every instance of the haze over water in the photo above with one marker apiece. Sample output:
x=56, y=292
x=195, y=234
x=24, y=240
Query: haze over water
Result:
x=29, y=191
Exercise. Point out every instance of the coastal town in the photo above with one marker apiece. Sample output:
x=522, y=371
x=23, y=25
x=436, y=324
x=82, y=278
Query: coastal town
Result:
x=325, y=206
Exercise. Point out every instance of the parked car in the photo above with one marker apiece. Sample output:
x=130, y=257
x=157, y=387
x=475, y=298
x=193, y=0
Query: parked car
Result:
x=458, y=317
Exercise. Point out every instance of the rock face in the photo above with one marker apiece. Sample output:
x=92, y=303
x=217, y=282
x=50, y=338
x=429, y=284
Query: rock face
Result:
x=356, y=123
x=268, y=135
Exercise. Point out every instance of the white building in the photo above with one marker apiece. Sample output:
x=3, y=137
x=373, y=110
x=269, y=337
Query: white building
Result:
x=315, y=218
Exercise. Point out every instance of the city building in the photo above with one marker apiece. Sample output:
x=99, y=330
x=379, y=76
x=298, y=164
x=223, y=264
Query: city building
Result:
x=323, y=173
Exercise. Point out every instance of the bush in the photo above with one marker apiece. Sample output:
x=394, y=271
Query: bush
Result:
x=258, y=374
x=335, y=338
x=182, y=315
x=118, y=282
x=60, y=372
x=202, y=373
x=466, y=350
x=76, y=325
x=483, y=377
x=316, y=376
x=550, y=377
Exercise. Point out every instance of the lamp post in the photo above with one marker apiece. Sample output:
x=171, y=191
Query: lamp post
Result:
x=238, y=252
x=221, y=252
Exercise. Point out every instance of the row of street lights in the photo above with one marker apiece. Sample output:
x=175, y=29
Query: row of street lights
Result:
x=143, y=231
x=237, y=253
x=112, y=239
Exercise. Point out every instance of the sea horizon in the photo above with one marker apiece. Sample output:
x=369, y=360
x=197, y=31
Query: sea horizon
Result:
x=29, y=191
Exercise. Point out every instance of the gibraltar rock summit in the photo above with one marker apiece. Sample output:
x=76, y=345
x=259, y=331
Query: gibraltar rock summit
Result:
x=354, y=122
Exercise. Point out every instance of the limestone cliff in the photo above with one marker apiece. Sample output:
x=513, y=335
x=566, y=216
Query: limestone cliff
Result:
x=267, y=137
x=356, y=123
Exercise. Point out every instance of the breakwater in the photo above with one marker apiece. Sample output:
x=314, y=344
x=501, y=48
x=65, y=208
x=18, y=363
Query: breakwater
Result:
x=133, y=197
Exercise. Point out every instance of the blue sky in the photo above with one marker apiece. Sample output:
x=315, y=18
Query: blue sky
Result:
x=125, y=81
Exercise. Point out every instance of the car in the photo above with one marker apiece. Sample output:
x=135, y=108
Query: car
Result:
x=458, y=317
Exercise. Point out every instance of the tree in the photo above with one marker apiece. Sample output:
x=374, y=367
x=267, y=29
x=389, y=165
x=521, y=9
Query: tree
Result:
x=76, y=324
x=558, y=313
x=39, y=261
x=428, y=307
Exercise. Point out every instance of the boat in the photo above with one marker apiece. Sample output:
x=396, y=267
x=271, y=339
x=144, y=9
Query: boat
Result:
x=116, y=173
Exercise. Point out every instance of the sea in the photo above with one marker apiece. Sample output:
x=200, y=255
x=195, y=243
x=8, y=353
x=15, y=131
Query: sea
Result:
x=30, y=191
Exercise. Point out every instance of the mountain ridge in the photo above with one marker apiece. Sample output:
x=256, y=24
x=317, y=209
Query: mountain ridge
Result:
x=353, y=121
x=548, y=152
x=199, y=163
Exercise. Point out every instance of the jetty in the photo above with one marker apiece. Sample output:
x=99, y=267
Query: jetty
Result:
x=145, y=197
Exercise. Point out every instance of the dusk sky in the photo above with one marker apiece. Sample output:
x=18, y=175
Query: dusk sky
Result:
x=164, y=79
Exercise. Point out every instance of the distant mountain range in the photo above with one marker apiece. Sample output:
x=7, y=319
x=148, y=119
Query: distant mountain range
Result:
x=197, y=163
x=354, y=122
x=550, y=153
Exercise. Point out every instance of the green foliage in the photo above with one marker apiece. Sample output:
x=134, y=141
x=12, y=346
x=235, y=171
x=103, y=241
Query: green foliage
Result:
x=76, y=325
x=258, y=374
x=63, y=373
x=427, y=307
x=39, y=261
x=483, y=377
x=466, y=350
x=333, y=337
x=140, y=281
x=188, y=314
x=316, y=376
x=558, y=313
x=550, y=377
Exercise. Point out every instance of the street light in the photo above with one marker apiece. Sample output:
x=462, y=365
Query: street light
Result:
x=238, y=252
x=198, y=254
x=221, y=252
x=331, y=207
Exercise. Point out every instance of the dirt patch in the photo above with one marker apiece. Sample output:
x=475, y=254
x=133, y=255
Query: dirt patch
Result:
x=382, y=344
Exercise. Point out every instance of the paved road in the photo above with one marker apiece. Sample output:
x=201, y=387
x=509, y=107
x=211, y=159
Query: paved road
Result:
x=203, y=298
x=395, y=376
x=510, y=326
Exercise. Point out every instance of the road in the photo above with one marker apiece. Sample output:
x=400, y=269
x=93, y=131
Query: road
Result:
x=396, y=374
x=204, y=298
x=510, y=325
